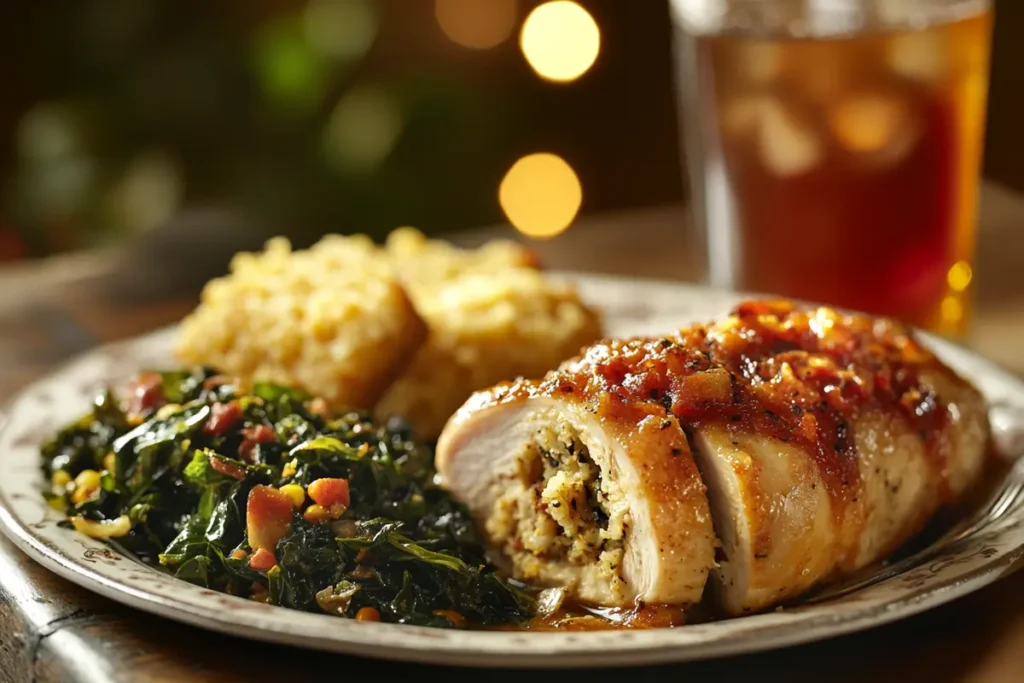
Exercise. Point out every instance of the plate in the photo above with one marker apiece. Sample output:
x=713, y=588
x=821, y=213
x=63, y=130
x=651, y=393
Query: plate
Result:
x=630, y=307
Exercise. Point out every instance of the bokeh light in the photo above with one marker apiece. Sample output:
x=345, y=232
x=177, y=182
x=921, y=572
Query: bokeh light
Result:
x=540, y=195
x=59, y=174
x=362, y=129
x=290, y=70
x=46, y=132
x=959, y=276
x=476, y=24
x=952, y=311
x=148, y=193
x=341, y=29
x=560, y=40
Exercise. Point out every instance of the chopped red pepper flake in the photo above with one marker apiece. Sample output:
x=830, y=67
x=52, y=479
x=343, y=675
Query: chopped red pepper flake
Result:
x=268, y=516
x=226, y=468
x=367, y=614
x=329, y=492
x=262, y=560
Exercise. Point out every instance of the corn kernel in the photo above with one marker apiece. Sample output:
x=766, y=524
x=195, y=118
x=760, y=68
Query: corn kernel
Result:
x=60, y=480
x=83, y=495
x=88, y=479
x=105, y=529
x=289, y=469
x=337, y=510
x=296, y=493
x=109, y=462
x=238, y=554
x=315, y=514
x=86, y=486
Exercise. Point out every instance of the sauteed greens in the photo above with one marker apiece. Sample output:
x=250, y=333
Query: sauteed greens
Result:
x=259, y=492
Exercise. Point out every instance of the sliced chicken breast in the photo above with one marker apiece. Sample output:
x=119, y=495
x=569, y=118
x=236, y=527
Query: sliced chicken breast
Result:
x=844, y=439
x=604, y=501
x=823, y=443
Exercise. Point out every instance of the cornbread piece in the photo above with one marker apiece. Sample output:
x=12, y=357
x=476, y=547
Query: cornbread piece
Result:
x=424, y=265
x=331, y=320
x=486, y=326
x=824, y=441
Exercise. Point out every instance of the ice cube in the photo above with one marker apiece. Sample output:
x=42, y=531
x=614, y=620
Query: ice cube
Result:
x=742, y=116
x=867, y=123
x=876, y=124
x=788, y=146
x=824, y=77
x=760, y=61
x=921, y=56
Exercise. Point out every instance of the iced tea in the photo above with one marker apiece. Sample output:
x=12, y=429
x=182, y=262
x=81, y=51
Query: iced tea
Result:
x=844, y=168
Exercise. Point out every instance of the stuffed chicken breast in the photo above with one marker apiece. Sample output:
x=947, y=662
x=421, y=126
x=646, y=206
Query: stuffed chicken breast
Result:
x=770, y=451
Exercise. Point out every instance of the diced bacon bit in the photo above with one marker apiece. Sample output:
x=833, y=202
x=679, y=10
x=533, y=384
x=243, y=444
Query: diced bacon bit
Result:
x=228, y=469
x=367, y=614
x=144, y=392
x=260, y=434
x=223, y=416
x=262, y=560
x=253, y=436
x=883, y=381
x=245, y=451
x=268, y=516
x=329, y=492
x=216, y=381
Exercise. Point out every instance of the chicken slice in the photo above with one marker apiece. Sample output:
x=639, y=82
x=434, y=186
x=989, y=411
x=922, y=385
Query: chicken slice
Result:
x=609, y=506
x=794, y=511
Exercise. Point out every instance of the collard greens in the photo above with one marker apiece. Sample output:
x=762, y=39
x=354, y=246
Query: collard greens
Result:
x=403, y=546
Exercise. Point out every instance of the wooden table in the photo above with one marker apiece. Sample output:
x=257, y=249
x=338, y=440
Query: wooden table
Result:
x=51, y=630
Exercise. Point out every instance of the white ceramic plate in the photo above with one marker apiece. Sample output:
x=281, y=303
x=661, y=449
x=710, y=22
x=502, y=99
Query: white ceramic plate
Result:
x=631, y=307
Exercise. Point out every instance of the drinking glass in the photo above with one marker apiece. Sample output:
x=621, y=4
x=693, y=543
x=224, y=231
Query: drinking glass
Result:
x=834, y=148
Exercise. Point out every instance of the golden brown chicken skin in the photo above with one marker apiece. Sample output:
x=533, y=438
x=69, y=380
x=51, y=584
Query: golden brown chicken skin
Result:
x=823, y=441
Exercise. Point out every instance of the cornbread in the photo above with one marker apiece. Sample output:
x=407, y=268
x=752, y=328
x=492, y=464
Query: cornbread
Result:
x=409, y=328
x=486, y=327
x=424, y=265
x=330, y=320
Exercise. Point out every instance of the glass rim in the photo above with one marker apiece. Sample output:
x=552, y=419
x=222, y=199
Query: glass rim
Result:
x=819, y=18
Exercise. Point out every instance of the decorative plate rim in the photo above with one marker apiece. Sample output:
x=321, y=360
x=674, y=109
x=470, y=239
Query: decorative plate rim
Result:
x=137, y=585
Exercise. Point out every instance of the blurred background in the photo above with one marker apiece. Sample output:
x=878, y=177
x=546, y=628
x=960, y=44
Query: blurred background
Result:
x=309, y=116
x=120, y=117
